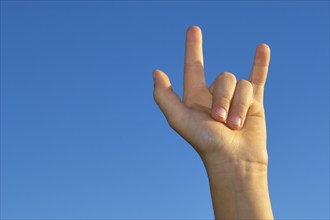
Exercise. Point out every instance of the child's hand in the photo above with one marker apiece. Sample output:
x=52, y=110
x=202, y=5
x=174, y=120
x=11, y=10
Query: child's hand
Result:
x=224, y=123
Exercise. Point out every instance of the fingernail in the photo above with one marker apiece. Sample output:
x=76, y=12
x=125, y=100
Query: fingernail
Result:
x=235, y=120
x=221, y=112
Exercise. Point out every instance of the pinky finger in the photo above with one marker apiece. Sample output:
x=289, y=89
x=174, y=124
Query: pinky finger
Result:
x=260, y=70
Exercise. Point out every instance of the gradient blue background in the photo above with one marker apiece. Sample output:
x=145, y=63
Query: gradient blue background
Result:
x=81, y=136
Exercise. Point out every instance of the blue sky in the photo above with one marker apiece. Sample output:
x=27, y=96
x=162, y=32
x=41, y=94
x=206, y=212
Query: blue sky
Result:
x=81, y=136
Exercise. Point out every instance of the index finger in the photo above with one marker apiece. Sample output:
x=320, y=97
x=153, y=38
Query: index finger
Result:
x=259, y=71
x=193, y=63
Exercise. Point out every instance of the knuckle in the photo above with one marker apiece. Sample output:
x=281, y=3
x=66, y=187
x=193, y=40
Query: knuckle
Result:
x=176, y=120
x=156, y=96
x=171, y=122
x=245, y=84
x=223, y=102
x=192, y=96
x=242, y=108
x=194, y=64
x=227, y=75
x=188, y=101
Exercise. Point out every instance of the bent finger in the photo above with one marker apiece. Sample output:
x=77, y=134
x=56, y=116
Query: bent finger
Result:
x=240, y=104
x=222, y=93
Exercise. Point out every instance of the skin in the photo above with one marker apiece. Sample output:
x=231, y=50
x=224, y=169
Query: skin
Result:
x=225, y=124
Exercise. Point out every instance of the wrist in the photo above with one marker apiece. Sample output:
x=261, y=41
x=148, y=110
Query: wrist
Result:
x=236, y=175
x=239, y=190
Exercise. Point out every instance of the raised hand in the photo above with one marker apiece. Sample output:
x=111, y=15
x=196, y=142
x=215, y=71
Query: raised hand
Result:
x=226, y=125
x=225, y=121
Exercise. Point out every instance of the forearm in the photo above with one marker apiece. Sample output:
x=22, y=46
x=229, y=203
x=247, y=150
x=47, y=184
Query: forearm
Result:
x=225, y=123
x=240, y=192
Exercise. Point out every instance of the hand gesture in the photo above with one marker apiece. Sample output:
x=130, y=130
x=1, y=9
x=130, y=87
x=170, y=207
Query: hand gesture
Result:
x=225, y=123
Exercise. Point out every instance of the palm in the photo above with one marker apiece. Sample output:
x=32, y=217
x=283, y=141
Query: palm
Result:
x=207, y=135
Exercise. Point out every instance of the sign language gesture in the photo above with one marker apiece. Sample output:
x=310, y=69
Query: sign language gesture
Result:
x=225, y=123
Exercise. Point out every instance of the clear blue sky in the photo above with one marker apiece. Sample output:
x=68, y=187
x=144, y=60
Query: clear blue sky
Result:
x=81, y=136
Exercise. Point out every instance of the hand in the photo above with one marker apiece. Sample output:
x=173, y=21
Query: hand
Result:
x=224, y=123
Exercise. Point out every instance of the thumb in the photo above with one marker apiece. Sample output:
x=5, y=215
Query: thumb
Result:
x=167, y=100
